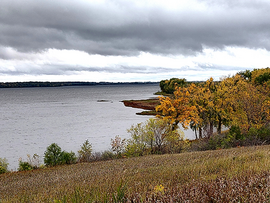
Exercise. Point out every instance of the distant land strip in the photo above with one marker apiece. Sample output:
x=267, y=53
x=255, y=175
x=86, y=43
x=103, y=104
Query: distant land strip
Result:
x=60, y=84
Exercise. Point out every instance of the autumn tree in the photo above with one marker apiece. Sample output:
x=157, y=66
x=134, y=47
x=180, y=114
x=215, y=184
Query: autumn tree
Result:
x=202, y=97
x=242, y=100
x=250, y=104
x=222, y=105
x=177, y=109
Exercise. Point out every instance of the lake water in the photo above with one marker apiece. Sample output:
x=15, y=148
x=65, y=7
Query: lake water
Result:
x=33, y=118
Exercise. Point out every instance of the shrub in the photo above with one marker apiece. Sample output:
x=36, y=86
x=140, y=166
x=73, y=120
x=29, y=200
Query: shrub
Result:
x=155, y=136
x=118, y=145
x=235, y=131
x=85, y=152
x=263, y=133
x=107, y=155
x=3, y=166
x=96, y=156
x=68, y=157
x=217, y=141
x=24, y=166
x=137, y=144
x=30, y=164
x=233, y=138
x=175, y=142
x=54, y=156
x=34, y=161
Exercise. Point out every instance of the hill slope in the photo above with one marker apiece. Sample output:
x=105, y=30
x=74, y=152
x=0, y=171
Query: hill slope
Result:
x=240, y=174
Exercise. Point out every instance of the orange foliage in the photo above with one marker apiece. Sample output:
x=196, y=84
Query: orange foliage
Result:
x=232, y=101
x=178, y=109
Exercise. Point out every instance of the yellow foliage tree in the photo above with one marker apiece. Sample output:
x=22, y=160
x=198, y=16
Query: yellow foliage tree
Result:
x=250, y=105
x=178, y=108
x=238, y=100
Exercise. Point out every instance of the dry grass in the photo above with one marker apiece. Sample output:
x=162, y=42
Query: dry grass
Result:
x=237, y=175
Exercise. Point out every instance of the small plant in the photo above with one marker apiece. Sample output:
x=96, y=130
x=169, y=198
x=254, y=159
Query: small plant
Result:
x=85, y=152
x=3, y=166
x=120, y=193
x=30, y=164
x=159, y=189
x=107, y=155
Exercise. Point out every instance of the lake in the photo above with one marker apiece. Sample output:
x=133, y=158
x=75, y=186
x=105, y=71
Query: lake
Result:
x=33, y=118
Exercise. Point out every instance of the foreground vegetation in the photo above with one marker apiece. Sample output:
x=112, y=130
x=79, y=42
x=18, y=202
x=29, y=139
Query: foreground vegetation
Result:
x=235, y=175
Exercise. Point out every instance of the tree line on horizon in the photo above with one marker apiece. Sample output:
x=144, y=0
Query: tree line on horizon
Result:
x=60, y=84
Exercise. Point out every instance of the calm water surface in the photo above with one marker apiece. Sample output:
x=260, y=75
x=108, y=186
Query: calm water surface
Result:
x=33, y=118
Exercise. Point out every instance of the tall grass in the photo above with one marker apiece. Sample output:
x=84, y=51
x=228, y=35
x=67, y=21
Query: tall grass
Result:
x=237, y=175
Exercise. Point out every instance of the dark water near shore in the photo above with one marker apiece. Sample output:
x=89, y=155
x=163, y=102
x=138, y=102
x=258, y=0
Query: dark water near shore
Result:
x=33, y=118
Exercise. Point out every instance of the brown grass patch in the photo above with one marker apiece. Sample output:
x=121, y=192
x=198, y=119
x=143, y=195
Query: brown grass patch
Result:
x=239, y=174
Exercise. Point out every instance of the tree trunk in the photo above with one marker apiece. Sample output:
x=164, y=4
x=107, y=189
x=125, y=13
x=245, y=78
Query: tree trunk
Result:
x=200, y=132
x=175, y=125
x=219, y=126
x=211, y=129
x=196, y=133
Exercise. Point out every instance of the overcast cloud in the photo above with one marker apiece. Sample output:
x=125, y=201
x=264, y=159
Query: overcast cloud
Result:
x=135, y=40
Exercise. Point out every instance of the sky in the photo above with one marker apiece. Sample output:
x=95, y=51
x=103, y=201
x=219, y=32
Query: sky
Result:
x=132, y=40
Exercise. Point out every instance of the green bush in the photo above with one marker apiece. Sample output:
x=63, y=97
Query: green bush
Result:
x=262, y=133
x=68, y=157
x=54, y=156
x=235, y=132
x=3, y=166
x=24, y=166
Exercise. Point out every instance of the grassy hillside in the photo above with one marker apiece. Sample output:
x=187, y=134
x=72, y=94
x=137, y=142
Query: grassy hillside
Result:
x=237, y=175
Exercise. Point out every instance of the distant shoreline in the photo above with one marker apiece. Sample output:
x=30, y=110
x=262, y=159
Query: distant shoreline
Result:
x=61, y=84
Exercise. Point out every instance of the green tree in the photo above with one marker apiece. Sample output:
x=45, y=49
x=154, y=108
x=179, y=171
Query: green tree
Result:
x=52, y=155
x=85, y=152
x=55, y=156
x=168, y=86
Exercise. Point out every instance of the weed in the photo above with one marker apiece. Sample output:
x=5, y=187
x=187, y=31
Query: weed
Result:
x=119, y=197
x=159, y=189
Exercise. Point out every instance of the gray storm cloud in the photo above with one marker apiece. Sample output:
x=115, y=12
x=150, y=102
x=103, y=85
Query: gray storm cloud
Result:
x=127, y=28
x=131, y=40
